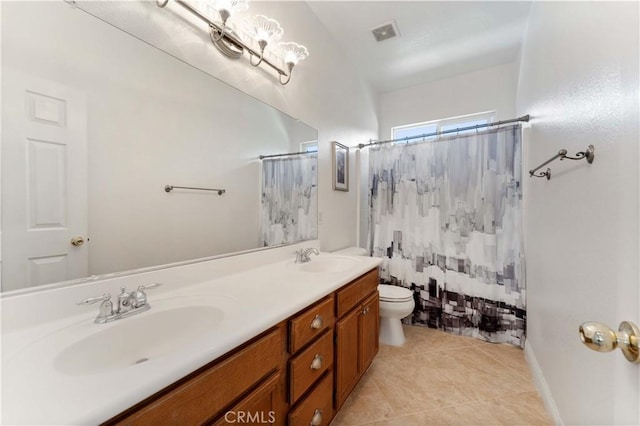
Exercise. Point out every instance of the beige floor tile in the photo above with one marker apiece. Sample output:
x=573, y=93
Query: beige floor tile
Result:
x=362, y=410
x=366, y=404
x=519, y=409
x=439, y=341
x=442, y=379
x=414, y=336
x=410, y=385
x=508, y=355
x=463, y=415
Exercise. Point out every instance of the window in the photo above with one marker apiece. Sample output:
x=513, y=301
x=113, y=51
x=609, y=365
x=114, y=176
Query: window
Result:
x=442, y=125
x=311, y=146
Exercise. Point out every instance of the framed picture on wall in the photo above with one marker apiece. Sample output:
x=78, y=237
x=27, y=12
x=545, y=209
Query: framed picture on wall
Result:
x=340, y=157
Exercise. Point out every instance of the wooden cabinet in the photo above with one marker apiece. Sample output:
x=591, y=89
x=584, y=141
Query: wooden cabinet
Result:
x=259, y=407
x=308, y=366
x=317, y=408
x=298, y=373
x=347, y=370
x=368, y=331
x=311, y=323
x=311, y=363
x=356, y=333
x=207, y=392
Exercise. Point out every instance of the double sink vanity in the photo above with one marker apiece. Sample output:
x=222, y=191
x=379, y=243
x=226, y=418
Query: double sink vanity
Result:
x=280, y=342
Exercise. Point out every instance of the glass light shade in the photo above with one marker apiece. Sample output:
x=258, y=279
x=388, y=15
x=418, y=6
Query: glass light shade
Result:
x=264, y=29
x=231, y=6
x=292, y=52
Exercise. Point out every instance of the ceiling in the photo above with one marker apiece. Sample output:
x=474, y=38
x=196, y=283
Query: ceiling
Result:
x=438, y=39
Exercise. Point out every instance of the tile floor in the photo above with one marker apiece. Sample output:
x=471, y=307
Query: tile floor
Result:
x=442, y=379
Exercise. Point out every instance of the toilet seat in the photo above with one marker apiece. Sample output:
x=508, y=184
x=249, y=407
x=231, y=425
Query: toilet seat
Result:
x=394, y=294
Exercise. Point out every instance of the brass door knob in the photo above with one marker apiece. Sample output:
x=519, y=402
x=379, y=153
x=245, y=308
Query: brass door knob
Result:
x=77, y=241
x=601, y=338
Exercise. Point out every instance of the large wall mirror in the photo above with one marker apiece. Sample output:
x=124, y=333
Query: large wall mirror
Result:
x=95, y=124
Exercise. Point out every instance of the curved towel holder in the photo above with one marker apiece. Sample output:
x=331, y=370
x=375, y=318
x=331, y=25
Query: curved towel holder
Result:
x=588, y=154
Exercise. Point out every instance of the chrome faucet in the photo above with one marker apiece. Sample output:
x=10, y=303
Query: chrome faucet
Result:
x=128, y=304
x=303, y=255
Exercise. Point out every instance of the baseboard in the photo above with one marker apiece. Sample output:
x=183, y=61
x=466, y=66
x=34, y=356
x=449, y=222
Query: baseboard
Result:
x=541, y=384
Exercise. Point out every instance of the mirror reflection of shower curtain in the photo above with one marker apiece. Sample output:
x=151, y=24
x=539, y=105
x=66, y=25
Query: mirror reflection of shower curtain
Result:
x=446, y=216
x=289, y=205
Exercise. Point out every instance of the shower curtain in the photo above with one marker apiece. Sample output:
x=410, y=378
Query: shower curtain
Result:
x=289, y=201
x=446, y=217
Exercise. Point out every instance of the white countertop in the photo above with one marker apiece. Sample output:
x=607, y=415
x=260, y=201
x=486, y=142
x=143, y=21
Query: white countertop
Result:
x=35, y=391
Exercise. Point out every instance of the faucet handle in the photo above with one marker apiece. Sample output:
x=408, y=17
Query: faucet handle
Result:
x=138, y=298
x=91, y=300
x=148, y=286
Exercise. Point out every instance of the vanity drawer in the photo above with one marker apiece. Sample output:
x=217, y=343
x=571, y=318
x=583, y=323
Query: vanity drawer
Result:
x=350, y=295
x=307, y=367
x=310, y=323
x=319, y=403
x=202, y=397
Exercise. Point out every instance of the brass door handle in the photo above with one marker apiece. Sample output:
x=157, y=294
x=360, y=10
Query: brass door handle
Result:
x=77, y=241
x=601, y=338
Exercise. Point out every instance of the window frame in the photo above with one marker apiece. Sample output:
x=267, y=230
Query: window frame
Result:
x=304, y=146
x=463, y=120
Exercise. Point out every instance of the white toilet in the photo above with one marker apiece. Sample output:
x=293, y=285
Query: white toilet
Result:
x=395, y=304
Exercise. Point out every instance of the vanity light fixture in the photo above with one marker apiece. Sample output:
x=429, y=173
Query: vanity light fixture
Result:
x=258, y=30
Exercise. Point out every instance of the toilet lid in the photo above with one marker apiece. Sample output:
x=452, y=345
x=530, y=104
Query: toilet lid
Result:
x=392, y=293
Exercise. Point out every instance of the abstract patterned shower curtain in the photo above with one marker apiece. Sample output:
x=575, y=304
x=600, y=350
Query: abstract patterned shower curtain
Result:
x=289, y=204
x=446, y=216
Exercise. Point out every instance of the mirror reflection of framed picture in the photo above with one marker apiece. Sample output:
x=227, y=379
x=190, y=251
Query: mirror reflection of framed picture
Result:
x=340, y=157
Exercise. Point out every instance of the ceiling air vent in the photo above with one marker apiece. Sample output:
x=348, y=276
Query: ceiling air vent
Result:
x=386, y=31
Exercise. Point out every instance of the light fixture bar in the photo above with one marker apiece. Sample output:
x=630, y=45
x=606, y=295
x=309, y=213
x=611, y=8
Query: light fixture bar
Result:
x=227, y=35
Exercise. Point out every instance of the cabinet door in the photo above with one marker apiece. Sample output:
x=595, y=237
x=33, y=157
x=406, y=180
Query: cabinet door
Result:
x=369, y=323
x=260, y=406
x=346, y=365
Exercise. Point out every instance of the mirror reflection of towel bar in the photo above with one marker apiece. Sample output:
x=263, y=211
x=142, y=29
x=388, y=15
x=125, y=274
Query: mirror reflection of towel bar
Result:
x=169, y=188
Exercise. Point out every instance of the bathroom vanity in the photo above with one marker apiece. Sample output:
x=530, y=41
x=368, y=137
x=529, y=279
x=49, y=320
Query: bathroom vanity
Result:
x=250, y=335
x=298, y=373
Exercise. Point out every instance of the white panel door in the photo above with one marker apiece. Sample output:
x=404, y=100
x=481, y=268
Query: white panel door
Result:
x=44, y=181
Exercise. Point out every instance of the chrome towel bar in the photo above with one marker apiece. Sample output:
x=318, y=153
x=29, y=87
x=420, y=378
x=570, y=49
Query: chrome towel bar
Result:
x=169, y=188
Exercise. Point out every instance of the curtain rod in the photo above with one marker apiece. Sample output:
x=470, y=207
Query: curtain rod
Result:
x=524, y=118
x=262, y=157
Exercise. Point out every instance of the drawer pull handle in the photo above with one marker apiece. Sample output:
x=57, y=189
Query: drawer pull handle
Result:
x=316, y=364
x=316, y=323
x=316, y=420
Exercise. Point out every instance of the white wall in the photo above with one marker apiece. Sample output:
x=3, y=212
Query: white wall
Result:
x=324, y=92
x=489, y=89
x=579, y=81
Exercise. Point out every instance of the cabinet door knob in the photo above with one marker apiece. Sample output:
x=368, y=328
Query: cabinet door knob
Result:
x=316, y=323
x=316, y=364
x=365, y=311
x=316, y=420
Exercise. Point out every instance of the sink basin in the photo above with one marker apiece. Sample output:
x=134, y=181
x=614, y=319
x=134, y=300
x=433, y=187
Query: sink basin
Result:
x=173, y=324
x=138, y=339
x=327, y=264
